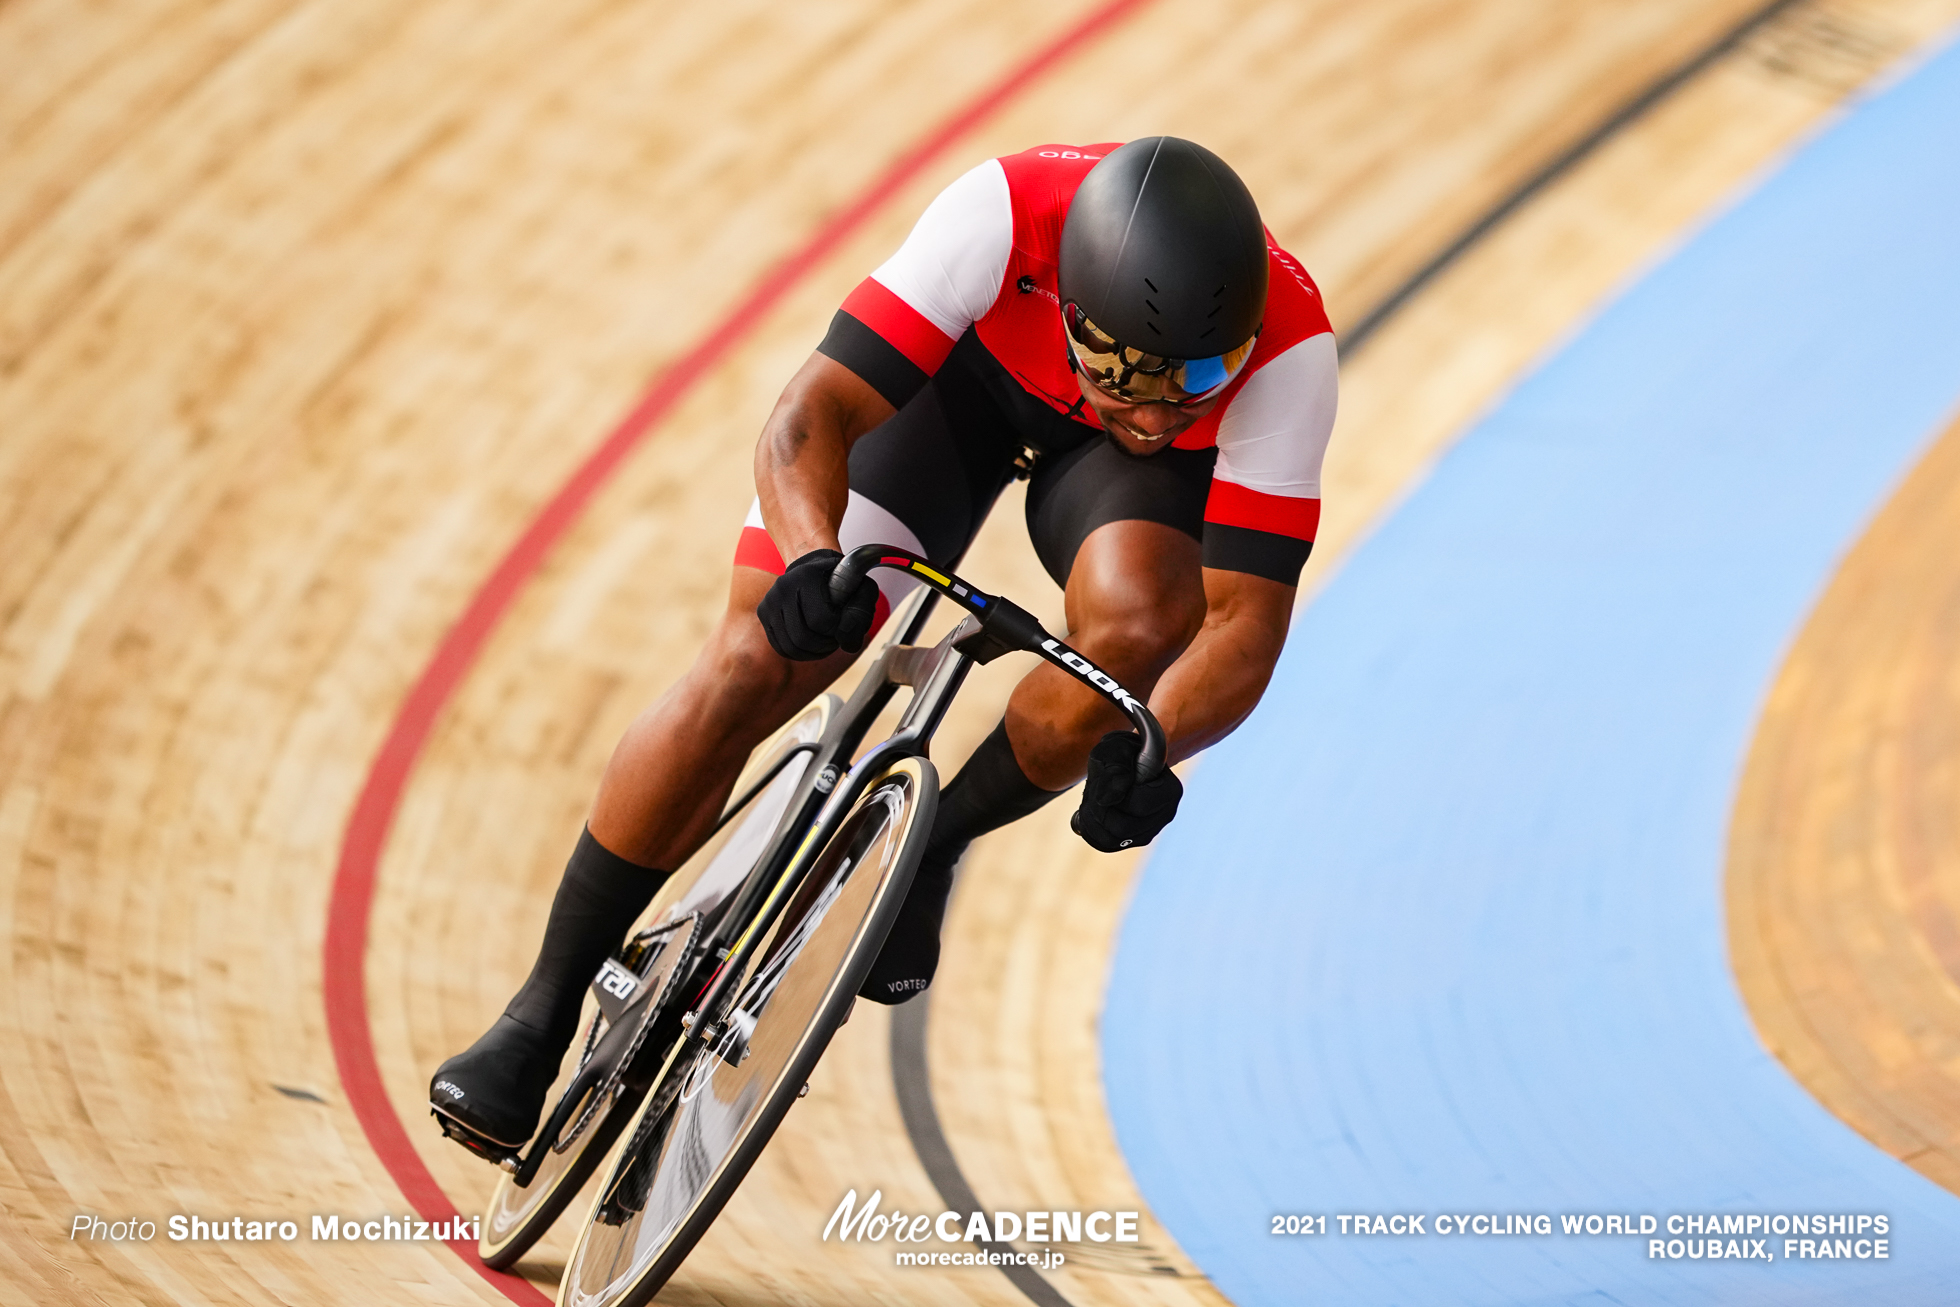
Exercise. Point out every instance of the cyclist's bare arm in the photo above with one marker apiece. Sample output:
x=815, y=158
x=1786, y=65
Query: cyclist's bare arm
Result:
x=676, y=763
x=1219, y=679
x=801, y=469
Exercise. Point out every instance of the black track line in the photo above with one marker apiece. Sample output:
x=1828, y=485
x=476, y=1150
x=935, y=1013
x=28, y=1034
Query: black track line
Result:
x=911, y=1076
x=914, y=1085
x=1565, y=162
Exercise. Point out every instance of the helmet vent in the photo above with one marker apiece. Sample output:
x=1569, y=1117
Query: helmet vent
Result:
x=1163, y=216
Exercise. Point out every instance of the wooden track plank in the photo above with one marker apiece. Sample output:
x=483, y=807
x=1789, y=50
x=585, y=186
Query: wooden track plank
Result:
x=1844, y=850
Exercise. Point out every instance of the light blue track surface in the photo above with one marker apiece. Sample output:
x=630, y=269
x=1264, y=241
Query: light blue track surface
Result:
x=1441, y=929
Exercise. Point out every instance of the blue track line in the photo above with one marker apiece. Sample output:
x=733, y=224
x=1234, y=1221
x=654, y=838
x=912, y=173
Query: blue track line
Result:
x=1441, y=929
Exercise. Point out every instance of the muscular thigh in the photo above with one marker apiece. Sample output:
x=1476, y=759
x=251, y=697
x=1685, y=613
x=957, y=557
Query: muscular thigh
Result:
x=1072, y=495
x=935, y=469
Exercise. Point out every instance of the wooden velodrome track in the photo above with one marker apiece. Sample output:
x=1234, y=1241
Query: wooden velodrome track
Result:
x=305, y=309
x=1844, y=881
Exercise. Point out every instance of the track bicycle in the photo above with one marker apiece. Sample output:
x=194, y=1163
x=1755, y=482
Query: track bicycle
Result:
x=711, y=1017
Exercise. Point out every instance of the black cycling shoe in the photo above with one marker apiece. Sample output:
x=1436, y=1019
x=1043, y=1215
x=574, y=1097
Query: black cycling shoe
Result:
x=906, y=963
x=495, y=1088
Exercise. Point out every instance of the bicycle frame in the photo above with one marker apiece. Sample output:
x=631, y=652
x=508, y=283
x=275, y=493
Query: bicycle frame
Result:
x=832, y=786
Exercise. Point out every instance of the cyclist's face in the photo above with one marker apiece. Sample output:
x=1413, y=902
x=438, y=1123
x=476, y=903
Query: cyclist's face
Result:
x=1141, y=428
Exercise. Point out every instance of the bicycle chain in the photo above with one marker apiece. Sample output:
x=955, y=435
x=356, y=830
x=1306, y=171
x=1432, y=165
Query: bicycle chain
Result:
x=610, y=1085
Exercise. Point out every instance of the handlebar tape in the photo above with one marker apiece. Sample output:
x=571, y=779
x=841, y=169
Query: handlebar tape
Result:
x=850, y=573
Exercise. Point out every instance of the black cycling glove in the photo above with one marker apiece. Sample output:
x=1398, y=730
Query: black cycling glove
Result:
x=800, y=619
x=1119, y=811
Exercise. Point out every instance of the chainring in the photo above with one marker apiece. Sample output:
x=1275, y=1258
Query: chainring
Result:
x=681, y=945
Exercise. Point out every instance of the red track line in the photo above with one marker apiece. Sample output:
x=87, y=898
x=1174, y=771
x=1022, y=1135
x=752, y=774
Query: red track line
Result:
x=351, y=902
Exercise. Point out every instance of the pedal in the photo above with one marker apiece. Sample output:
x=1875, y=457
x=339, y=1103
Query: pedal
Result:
x=486, y=1148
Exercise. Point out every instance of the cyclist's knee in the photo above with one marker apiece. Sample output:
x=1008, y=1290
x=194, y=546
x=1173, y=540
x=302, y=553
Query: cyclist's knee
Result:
x=1139, y=631
x=740, y=665
x=1136, y=596
x=738, y=670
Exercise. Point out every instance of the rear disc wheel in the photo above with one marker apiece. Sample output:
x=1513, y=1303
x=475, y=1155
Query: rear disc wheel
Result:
x=516, y=1218
x=715, y=1109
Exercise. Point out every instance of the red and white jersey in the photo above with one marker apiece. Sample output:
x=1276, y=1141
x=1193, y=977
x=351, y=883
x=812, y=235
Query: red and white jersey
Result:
x=982, y=258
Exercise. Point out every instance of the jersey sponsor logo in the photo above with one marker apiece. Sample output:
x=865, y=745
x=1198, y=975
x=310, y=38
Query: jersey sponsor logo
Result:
x=1029, y=286
x=1285, y=260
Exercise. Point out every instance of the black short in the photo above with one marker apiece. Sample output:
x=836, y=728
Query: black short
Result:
x=941, y=461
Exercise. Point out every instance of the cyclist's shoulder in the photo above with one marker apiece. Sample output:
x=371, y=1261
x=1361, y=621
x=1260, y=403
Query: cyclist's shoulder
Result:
x=1018, y=200
x=1295, y=310
x=1287, y=388
x=1041, y=181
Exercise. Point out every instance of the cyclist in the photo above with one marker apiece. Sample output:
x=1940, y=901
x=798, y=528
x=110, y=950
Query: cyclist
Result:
x=1113, y=322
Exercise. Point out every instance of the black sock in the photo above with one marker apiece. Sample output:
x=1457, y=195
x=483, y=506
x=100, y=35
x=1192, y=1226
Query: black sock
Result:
x=990, y=791
x=597, y=900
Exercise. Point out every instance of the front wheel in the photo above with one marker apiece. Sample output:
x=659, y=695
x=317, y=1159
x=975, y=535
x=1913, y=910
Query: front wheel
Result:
x=706, y=1122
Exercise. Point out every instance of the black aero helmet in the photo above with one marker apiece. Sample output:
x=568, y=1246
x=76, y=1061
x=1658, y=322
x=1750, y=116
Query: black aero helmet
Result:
x=1162, y=272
